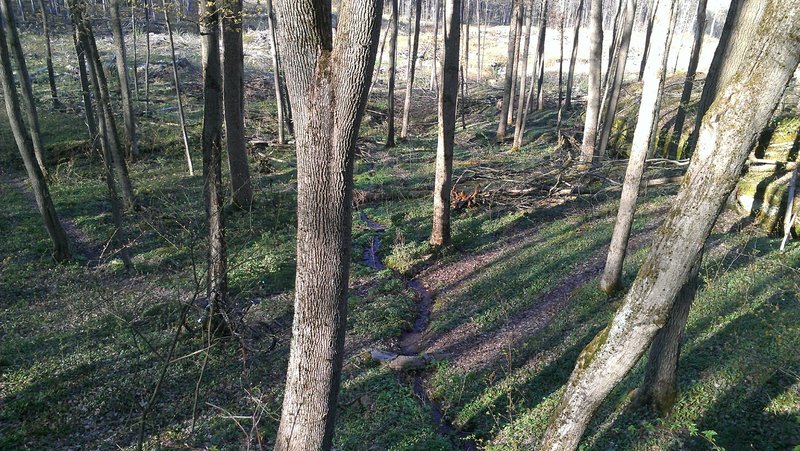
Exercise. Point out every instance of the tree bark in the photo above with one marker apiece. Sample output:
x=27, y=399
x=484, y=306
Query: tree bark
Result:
x=413, y=48
x=51, y=77
x=515, y=69
x=178, y=97
x=390, y=141
x=727, y=134
x=274, y=53
x=328, y=87
x=233, y=94
x=217, y=271
x=642, y=141
x=688, y=84
x=28, y=100
x=132, y=147
x=440, y=235
x=539, y=74
x=61, y=245
x=521, y=104
x=509, y=77
x=619, y=75
x=574, y=57
x=91, y=124
x=148, y=10
x=434, y=84
x=647, y=35
x=588, y=146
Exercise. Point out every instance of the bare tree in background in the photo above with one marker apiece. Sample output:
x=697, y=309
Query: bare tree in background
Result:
x=128, y=117
x=588, y=146
x=413, y=47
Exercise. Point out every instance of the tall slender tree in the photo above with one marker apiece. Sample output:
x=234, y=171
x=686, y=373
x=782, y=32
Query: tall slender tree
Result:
x=328, y=86
x=61, y=245
x=588, y=146
x=177, y=84
x=509, y=76
x=51, y=77
x=233, y=79
x=128, y=116
x=440, y=234
x=727, y=134
x=574, y=56
x=390, y=141
x=276, y=71
x=413, y=47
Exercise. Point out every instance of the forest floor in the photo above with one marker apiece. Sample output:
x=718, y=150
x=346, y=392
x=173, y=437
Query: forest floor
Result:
x=503, y=311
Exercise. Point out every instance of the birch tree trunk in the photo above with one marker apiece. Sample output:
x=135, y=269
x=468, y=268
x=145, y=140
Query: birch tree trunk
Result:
x=619, y=75
x=440, y=235
x=217, y=271
x=28, y=100
x=233, y=95
x=642, y=141
x=574, y=57
x=390, y=141
x=61, y=245
x=128, y=117
x=688, y=84
x=178, y=97
x=509, y=77
x=727, y=134
x=413, y=48
x=588, y=148
x=328, y=87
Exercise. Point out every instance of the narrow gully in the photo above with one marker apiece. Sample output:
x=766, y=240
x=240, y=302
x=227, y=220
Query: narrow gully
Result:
x=411, y=341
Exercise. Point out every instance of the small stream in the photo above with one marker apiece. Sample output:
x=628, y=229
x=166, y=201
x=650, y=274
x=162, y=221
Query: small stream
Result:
x=411, y=341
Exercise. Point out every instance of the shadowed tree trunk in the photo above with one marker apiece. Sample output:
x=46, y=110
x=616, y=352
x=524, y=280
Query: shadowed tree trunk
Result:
x=51, y=77
x=178, y=98
x=727, y=134
x=233, y=68
x=588, y=146
x=131, y=147
x=61, y=246
x=618, y=75
x=28, y=100
x=440, y=234
x=274, y=52
x=688, y=84
x=328, y=87
x=574, y=57
x=217, y=275
x=509, y=77
x=413, y=47
x=643, y=136
x=392, y=72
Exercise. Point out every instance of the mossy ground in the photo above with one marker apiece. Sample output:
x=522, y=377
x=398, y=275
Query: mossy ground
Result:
x=81, y=348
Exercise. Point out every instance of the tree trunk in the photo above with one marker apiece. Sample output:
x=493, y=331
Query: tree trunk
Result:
x=440, y=235
x=392, y=72
x=233, y=94
x=91, y=124
x=61, y=246
x=132, y=147
x=178, y=97
x=539, y=74
x=413, y=47
x=515, y=69
x=135, y=60
x=588, y=148
x=660, y=387
x=274, y=52
x=612, y=44
x=688, y=84
x=619, y=75
x=478, y=37
x=435, y=69
x=727, y=134
x=508, y=84
x=51, y=77
x=28, y=102
x=148, y=9
x=217, y=272
x=521, y=104
x=647, y=35
x=574, y=57
x=328, y=87
x=642, y=141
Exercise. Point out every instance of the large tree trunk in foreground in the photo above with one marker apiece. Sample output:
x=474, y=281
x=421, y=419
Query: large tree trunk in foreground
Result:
x=61, y=247
x=619, y=75
x=28, y=100
x=132, y=146
x=178, y=97
x=217, y=272
x=509, y=77
x=390, y=141
x=233, y=67
x=726, y=137
x=588, y=147
x=51, y=76
x=328, y=88
x=688, y=84
x=643, y=136
x=573, y=57
x=660, y=387
x=413, y=47
x=440, y=234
